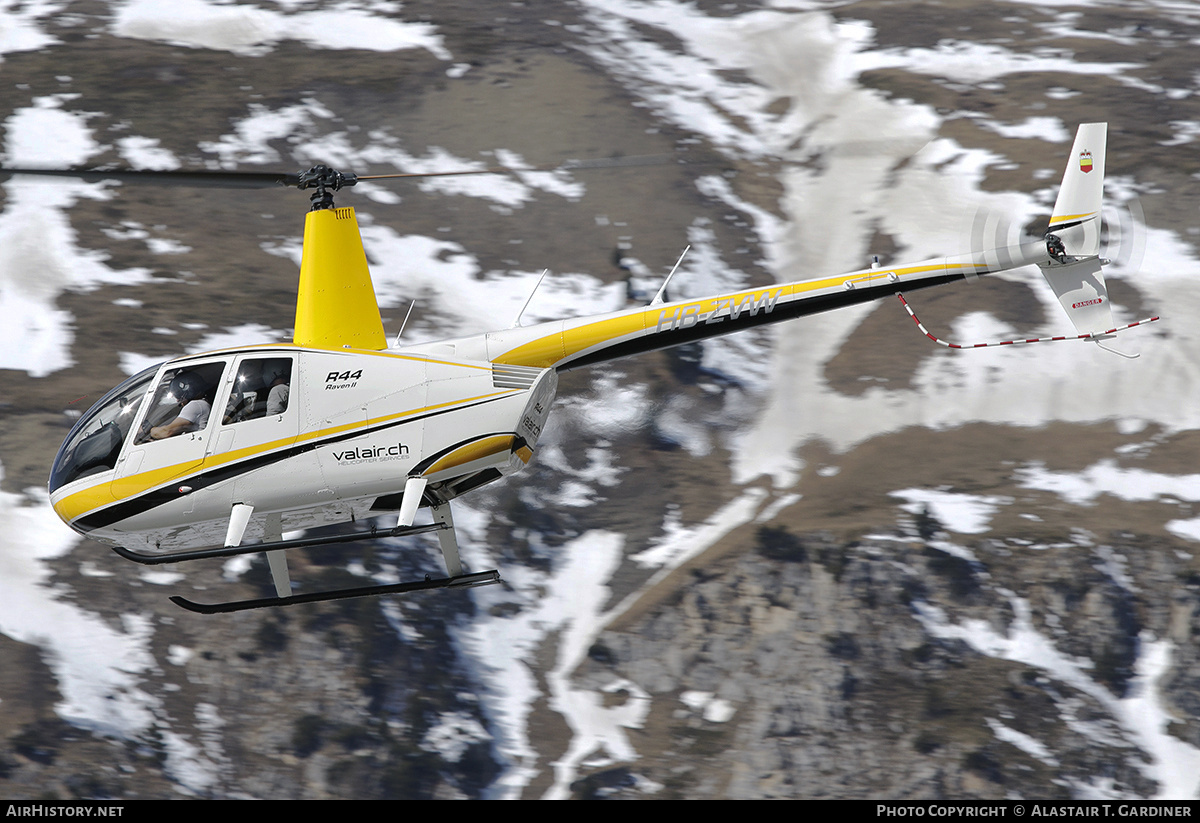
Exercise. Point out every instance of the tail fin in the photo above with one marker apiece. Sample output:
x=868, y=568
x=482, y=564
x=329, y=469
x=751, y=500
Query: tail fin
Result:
x=1074, y=234
x=1076, y=218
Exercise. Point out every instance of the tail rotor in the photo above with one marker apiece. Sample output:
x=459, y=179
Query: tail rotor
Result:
x=997, y=241
x=1069, y=254
x=1125, y=240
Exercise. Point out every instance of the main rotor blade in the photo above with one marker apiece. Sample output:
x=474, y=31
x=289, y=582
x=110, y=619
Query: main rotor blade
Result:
x=411, y=174
x=221, y=179
x=207, y=179
x=566, y=165
x=267, y=180
x=618, y=162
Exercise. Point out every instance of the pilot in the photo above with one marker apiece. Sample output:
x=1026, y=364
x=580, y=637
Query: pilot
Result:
x=188, y=389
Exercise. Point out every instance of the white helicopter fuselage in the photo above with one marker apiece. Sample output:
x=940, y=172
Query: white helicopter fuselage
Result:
x=355, y=427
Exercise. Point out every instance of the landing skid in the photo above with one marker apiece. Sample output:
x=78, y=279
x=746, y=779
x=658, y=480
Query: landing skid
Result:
x=462, y=581
x=275, y=548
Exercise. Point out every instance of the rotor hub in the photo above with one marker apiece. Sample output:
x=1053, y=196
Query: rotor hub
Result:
x=323, y=180
x=1055, y=248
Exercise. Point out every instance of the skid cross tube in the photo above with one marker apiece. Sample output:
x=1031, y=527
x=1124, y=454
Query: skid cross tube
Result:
x=233, y=551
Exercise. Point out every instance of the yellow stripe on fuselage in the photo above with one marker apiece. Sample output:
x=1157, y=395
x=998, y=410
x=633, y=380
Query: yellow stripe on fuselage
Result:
x=85, y=502
x=477, y=450
x=345, y=352
x=1062, y=218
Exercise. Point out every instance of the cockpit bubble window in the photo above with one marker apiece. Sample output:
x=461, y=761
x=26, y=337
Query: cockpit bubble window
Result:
x=261, y=389
x=182, y=402
x=94, y=443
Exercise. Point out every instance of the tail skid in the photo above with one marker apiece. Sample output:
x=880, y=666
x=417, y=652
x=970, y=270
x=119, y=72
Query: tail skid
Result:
x=1096, y=337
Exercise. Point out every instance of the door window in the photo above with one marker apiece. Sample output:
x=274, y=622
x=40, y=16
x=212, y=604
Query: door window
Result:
x=182, y=402
x=262, y=388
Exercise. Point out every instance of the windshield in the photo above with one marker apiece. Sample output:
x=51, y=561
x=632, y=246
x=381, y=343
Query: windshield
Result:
x=95, y=442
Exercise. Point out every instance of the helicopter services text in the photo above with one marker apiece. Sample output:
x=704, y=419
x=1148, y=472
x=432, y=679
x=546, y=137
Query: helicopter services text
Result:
x=371, y=454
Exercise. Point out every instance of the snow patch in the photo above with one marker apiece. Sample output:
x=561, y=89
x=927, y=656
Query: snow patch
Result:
x=247, y=29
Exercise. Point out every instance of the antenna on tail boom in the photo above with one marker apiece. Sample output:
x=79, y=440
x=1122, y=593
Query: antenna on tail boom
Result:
x=529, y=299
x=662, y=290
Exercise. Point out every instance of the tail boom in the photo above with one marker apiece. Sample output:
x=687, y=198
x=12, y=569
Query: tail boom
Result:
x=584, y=341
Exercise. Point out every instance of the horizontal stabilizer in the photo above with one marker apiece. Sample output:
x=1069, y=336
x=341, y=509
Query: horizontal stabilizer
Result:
x=1082, y=292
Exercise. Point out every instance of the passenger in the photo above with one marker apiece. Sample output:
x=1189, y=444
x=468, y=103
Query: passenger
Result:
x=277, y=398
x=245, y=400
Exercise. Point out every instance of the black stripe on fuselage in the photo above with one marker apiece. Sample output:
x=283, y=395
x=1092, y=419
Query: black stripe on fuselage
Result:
x=1070, y=225
x=167, y=493
x=728, y=325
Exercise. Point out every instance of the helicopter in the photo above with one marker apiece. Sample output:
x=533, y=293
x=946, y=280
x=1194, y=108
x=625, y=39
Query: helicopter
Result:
x=220, y=454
